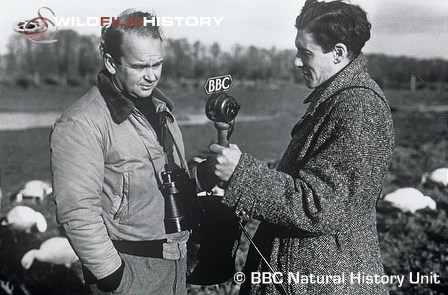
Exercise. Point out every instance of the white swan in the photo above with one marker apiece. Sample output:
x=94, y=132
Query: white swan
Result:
x=23, y=218
x=439, y=176
x=34, y=189
x=409, y=199
x=54, y=250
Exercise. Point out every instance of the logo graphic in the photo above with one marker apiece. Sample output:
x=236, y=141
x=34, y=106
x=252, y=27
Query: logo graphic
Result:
x=218, y=84
x=37, y=29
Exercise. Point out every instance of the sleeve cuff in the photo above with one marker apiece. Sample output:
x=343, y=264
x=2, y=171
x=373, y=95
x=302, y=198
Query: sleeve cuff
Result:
x=112, y=281
x=240, y=192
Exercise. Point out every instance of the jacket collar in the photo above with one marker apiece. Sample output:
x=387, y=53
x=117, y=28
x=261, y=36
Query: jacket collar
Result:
x=342, y=79
x=120, y=106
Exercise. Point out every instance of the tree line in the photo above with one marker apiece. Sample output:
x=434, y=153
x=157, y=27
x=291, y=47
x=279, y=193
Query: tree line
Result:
x=75, y=59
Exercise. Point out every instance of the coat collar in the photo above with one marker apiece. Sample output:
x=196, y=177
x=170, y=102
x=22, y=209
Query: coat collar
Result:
x=342, y=79
x=120, y=106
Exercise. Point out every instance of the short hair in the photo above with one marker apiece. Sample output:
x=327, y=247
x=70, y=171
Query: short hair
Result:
x=335, y=22
x=114, y=34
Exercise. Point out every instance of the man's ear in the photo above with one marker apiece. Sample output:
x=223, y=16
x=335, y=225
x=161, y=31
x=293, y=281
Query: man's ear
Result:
x=109, y=63
x=340, y=53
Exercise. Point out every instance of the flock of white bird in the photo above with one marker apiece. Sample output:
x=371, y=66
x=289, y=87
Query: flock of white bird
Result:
x=57, y=250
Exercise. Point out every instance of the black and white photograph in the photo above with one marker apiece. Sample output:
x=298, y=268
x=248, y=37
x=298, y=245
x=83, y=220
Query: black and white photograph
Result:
x=224, y=147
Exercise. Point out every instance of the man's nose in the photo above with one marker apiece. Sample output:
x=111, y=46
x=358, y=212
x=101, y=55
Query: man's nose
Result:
x=298, y=62
x=150, y=74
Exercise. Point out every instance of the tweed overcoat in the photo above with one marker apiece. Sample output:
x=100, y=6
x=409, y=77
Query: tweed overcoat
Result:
x=318, y=209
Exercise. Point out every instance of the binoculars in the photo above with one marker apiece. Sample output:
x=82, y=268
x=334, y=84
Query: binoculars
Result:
x=179, y=193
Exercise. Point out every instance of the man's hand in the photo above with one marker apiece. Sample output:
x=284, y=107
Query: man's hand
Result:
x=223, y=160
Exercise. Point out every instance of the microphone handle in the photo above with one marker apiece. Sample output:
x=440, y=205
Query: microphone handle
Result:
x=222, y=137
x=223, y=131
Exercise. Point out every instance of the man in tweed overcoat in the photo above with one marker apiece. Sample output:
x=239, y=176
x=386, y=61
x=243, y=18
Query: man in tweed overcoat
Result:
x=317, y=210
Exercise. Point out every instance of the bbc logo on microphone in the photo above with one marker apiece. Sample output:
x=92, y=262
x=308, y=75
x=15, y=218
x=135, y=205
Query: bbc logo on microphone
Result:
x=218, y=84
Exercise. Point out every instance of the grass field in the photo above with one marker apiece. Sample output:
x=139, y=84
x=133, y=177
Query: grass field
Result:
x=409, y=242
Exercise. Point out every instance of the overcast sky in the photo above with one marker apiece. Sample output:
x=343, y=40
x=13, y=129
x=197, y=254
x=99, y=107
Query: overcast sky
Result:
x=415, y=28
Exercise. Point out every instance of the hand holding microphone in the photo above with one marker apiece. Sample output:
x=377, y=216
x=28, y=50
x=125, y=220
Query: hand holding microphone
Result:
x=222, y=109
x=224, y=160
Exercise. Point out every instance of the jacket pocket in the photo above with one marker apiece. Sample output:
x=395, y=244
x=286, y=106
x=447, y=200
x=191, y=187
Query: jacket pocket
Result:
x=120, y=214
